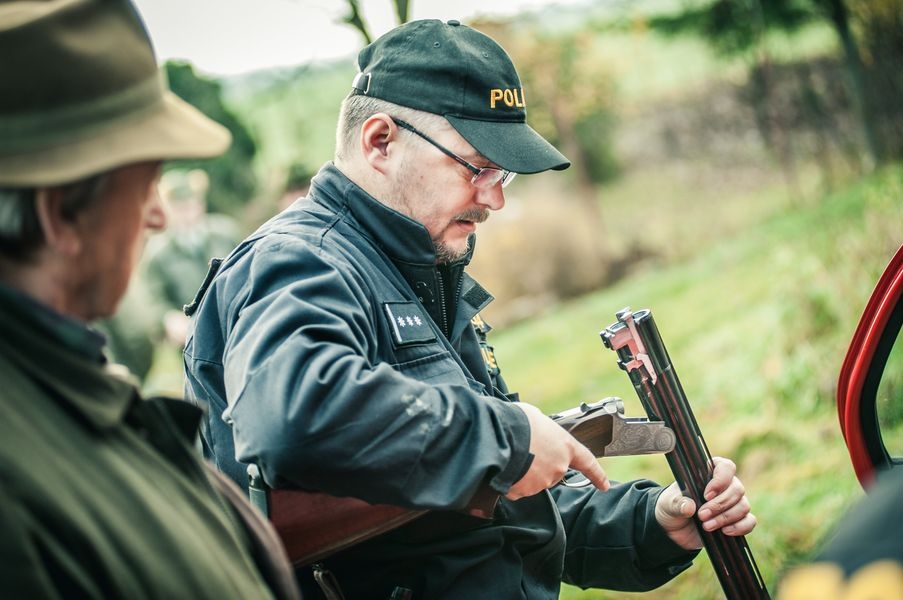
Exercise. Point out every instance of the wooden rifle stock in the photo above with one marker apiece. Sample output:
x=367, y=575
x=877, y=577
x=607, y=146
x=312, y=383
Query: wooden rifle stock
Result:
x=642, y=354
x=314, y=525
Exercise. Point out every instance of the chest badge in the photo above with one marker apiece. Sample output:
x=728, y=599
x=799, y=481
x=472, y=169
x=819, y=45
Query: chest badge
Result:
x=408, y=323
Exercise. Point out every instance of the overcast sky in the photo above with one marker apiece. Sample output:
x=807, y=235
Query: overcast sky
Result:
x=227, y=37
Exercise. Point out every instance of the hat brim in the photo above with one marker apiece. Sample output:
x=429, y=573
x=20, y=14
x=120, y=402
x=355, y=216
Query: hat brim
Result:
x=173, y=129
x=514, y=147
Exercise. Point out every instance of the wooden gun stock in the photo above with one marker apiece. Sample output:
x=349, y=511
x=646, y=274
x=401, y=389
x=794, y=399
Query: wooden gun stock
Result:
x=314, y=525
x=642, y=354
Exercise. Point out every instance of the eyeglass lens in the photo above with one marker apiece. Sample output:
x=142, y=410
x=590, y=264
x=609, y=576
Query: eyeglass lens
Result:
x=489, y=176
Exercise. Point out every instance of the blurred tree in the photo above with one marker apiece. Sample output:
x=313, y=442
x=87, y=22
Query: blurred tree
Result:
x=232, y=180
x=737, y=26
x=879, y=26
x=574, y=92
x=356, y=19
x=836, y=11
x=570, y=97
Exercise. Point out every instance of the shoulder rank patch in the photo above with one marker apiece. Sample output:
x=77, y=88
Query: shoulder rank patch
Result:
x=408, y=323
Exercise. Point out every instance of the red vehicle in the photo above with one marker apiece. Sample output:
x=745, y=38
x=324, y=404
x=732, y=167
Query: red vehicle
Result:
x=871, y=380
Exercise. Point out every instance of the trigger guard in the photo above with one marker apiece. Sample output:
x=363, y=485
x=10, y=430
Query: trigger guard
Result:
x=581, y=483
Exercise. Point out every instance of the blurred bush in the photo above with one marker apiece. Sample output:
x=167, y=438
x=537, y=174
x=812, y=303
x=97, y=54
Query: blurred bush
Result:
x=233, y=181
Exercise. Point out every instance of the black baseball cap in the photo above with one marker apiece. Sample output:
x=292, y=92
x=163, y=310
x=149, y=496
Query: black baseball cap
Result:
x=453, y=70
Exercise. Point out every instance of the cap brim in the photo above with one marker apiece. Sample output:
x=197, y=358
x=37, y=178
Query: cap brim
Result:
x=515, y=147
x=173, y=129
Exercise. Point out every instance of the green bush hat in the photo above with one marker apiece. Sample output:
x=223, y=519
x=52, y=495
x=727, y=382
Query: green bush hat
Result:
x=453, y=70
x=81, y=93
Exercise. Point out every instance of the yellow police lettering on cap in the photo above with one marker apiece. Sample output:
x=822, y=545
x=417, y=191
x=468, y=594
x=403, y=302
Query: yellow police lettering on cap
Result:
x=512, y=98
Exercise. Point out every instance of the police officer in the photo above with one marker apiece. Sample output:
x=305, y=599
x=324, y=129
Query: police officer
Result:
x=336, y=349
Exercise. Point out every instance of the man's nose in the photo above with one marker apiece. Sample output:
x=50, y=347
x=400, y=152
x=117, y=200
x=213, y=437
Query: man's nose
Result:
x=492, y=198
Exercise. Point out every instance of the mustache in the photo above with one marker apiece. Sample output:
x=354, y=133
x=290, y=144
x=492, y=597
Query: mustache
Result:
x=475, y=215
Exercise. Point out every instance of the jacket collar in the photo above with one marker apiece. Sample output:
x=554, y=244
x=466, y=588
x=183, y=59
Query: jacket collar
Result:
x=400, y=237
x=65, y=356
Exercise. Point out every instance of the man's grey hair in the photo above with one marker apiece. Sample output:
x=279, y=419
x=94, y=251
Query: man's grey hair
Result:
x=20, y=230
x=358, y=108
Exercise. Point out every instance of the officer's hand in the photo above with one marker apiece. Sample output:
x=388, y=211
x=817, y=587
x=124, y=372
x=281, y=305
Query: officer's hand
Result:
x=726, y=508
x=554, y=451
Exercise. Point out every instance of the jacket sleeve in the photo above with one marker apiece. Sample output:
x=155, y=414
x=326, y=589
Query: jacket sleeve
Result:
x=314, y=404
x=614, y=540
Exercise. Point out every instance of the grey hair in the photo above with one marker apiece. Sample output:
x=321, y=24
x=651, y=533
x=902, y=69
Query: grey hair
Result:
x=20, y=229
x=358, y=108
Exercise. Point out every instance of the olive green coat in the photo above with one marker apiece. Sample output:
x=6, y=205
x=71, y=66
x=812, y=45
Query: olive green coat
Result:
x=100, y=495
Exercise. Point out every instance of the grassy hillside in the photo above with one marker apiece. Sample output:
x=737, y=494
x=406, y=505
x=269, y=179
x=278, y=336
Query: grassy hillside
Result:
x=757, y=326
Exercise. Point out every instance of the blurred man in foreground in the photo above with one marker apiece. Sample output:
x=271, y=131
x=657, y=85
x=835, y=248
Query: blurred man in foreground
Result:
x=101, y=493
x=863, y=556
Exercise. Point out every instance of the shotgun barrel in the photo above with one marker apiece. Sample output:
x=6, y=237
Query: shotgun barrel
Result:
x=642, y=354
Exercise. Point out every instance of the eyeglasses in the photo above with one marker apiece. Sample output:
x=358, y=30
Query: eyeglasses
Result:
x=483, y=177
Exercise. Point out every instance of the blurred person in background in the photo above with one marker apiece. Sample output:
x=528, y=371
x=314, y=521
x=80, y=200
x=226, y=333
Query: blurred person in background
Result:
x=337, y=349
x=133, y=332
x=296, y=186
x=177, y=260
x=102, y=494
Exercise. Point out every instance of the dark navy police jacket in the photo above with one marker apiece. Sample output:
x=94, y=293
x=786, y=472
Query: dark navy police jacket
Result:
x=333, y=352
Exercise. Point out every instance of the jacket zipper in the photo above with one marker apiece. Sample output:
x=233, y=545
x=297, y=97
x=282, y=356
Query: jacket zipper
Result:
x=443, y=305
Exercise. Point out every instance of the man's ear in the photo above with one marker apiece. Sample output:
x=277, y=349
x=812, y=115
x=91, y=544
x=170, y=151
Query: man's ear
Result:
x=379, y=135
x=60, y=233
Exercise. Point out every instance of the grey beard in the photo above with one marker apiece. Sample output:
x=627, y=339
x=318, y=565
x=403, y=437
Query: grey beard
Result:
x=445, y=255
